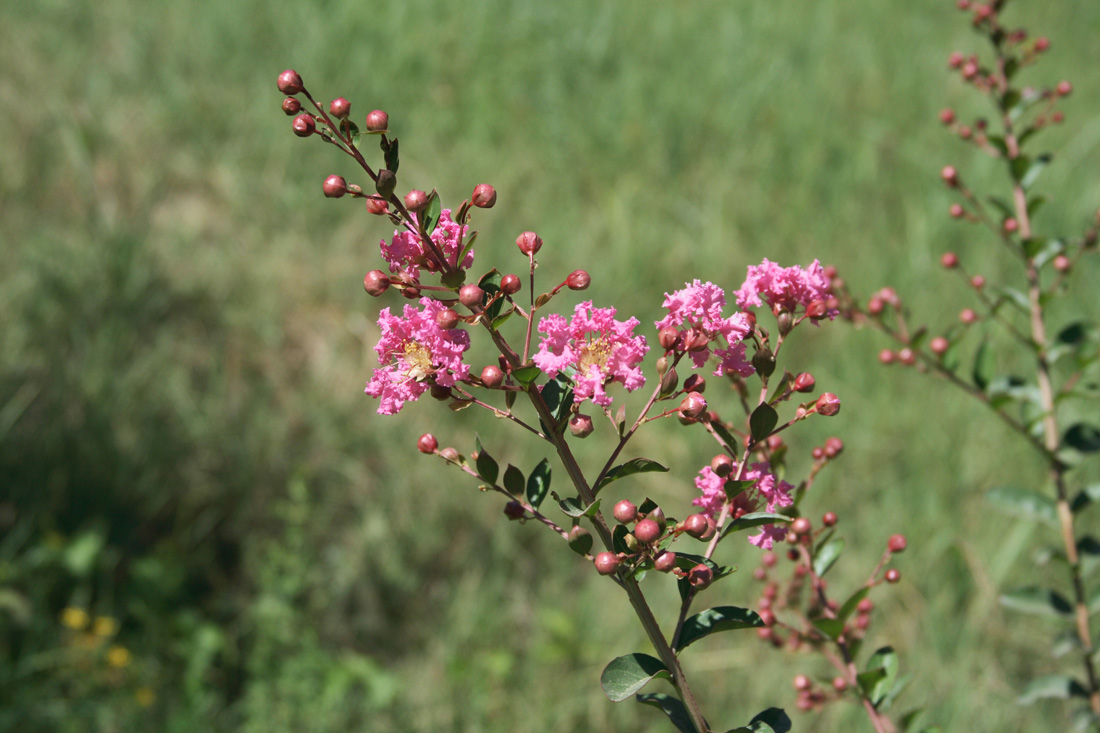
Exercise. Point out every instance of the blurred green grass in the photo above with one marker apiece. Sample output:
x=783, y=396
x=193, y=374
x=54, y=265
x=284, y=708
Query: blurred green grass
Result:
x=183, y=437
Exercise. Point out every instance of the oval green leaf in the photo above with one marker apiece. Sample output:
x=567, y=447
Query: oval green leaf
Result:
x=755, y=519
x=762, y=421
x=538, y=483
x=826, y=555
x=625, y=675
x=713, y=620
x=1038, y=601
x=672, y=707
x=1084, y=438
x=1052, y=686
x=637, y=465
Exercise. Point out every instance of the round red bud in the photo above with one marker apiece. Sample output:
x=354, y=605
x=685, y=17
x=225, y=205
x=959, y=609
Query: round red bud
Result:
x=897, y=543
x=1042, y=43
x=1057, y=118
x=1062, y=263
x=804, y=382
x=939, y=345
x=840, y=684
x=696, y=525
x=875, y=305
x=768, y=617
x=949, y=260
x=759, y=574
x=950, y=176
x=977, y=282
x=947, y=116
x=665, y=562
x=802, y=682
x=1063, y=88
x=1010, y=225
x=956, y=211
x=304, y=125
x=830, y=519
x=492, y=376
x=334, y=187
x=513, y=510
x=377, y=205
x=893, y=575
x=907, y=357
x=581, y=426
x=290, y=82
x=970, y=69
x=695, y=383
x=529, y=243
x=291, y=106
x=775, y=442
x=607, y=563
x=578, y=280
x=693, y=405
x=816, y=309
x=722, y=465
x=700, y=576
x=376, y=282
x=450, y=454
x=510, y=284
x=886, y=356
x=667, y=337
x=427, y=443
x=818, y=453
x=955, y=60
x=339, y=108
x=834, y=446
x=471, y=295
x=378, y=121
x=484, y=196
x=801, y=526
x=828, y=404
x=647, y=531
x=416, y=200
x=625, y=512
x=968, y=316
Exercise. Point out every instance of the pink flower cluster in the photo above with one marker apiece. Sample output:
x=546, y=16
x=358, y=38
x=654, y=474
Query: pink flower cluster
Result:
x=698, y=307
x=406, y=254
x=772, y=491
x=415, y=353
x=593, y=349
x=785, y=288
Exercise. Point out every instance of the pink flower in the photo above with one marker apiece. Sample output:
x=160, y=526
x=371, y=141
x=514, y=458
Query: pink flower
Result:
x=785, y=288
x=772, y=492
x=415, y=353
x=593, y=349
x=699, y=306
x=406, y=253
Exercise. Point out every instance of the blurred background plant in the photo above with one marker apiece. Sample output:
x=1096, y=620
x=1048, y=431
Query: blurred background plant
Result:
x=184, y=444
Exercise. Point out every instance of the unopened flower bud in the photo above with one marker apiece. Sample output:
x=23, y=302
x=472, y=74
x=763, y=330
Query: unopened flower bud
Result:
x=977, y=282
x=514, y=510
x=897, y=543
x=700, y=576
x=722, y=465
x=446, y=318
x=696, y=525
x=510, y=284
x=578, y=280
x=376, y=282
x=581, y=426
x=834, y=446
x=828, y=404
x=484, y=196
x=829, y=519
x=492, y=376
x=939, y=345
x=801, y=526
x=607, y=563
x=968, y=316
x=450, y=454
x=949, y=260
x=1010, y=225
x=647, y=531
x=290, y=82
x=1061, y=263
x=427, y=443
x=416, y=200
x=670, y=380
x=804, y=382
x=339, y=108
x=471, y=296
x=625, y=512
x=950, y=176
x=907, y=357
x=439, y=392
x=956, y=211
x=785, y=320
x=387, y=181
x=1063, y=88
x=893, y=575
x=291, y=106
x=378, y=121
x=947, y=116
x=377, y=205
x=412, y=292
x=529, y=243
x=1042, y=43
x=816, y=309
x=667, y=337
x=695, y=339
x=802, y=682
x=334, y=187
x=304, y=125
x=693, y=405
x=695, y=383
x=664, y=562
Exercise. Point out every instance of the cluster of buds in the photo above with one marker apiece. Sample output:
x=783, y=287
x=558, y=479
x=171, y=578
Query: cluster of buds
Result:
x=646, y=545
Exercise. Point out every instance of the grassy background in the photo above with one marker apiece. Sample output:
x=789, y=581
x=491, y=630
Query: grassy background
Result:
x=184, y=445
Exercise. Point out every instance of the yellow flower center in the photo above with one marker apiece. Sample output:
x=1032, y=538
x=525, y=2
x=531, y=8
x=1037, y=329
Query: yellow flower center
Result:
x=418, y=361
x=595, y=353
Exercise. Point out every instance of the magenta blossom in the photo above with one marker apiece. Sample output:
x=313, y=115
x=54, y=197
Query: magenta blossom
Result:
x=406, y=254
x=768, y=490
x=698, y=307
x=785, y=288
x=415, y=353
x=593, y=349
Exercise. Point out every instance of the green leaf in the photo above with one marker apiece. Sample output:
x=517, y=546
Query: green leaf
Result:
x=538, y=483
x=1034, y=169
x=724, y=434
x=1002, y=205
x=573, y=507
x=1034, y=204
x=1052, y=687
x=882, y=672
x=581, y=541
x=467, y=247
x=672, y=707
x=625, y=675
x=733, y=488
x=558, y=395
x=80, y=555
x=501, y=320
x=1020, y=502
x=772, y=720
x=1039, y=601
x=389, y=151
x=527, y=375
x=1076, y=333
x=351, y=131
x=513, y=480
x=1018, y=167
x=1086, y=498
x=983, y=366
x=490, y=283
x=830, y=627
x=852, y=603
x=781, y=386
x=762, y=421
x=631, y=467
x=713, y=620
x=826, y=555
x=1084, y=438
x=487, y=468
x=748, y=521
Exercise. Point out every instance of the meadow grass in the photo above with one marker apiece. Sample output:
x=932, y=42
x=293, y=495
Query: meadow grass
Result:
x=185, y=341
